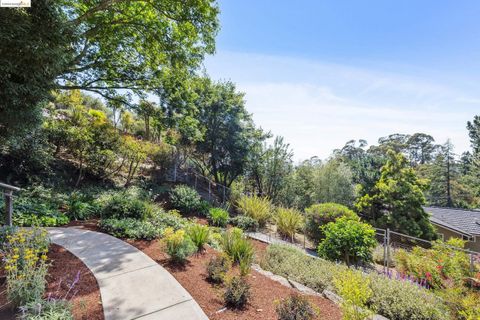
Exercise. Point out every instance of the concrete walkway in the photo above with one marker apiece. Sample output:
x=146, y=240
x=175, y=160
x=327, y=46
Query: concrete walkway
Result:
x=132, y=285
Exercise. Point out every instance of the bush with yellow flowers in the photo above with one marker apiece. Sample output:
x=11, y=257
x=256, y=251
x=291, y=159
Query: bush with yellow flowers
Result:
x=25, y=264
x=179, y=246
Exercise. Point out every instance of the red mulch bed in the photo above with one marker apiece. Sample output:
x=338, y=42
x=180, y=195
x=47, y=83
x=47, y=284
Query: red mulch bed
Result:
x=87, y=303
x=264, y=291
x=84, y=296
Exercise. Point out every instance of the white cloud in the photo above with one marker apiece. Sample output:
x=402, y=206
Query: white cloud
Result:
x=317, y=106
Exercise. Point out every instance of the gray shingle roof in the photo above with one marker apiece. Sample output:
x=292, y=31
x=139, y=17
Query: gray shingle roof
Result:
x=465, y=221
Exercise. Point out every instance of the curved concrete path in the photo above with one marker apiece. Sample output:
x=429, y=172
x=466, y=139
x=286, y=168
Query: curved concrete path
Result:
x=132, y=285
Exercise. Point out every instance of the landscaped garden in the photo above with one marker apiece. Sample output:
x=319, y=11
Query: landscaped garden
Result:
x=121, y=157
x=206, y=249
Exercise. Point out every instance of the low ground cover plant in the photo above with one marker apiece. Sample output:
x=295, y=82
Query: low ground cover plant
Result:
x=130, y=228
x=185, y=199
x=295, y=307
x=320, y=214
x=347, y=240
x=288, y=221
x=38, y=206
x=244, y=222
x=255, y=207
x=218, y=267
x=47, y=310
x=199, y=235
x=178, y=245
x=147, y=229
x=395, y=299
x=237, y=293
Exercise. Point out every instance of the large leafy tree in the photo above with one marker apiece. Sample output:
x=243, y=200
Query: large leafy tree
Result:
x=396, y=200
x=123, y=44
x=33, y=44
x=228, y=132
x=333, y=183
x=99, y=46
x=420, y=148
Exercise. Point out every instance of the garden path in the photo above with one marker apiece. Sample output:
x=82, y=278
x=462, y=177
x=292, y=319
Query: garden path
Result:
x=132, y=285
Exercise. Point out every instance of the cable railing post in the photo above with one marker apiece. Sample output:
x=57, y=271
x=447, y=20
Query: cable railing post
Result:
x=388, y=249
x=209, y=190
x=8, y=207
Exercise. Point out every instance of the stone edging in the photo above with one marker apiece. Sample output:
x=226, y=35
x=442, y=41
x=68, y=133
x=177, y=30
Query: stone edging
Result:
x=306, y=290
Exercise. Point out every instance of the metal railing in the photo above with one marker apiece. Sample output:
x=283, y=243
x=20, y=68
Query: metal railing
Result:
x=392, y=241
x=8, y=196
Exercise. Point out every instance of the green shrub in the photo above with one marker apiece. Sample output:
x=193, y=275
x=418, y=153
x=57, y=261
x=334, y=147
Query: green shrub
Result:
x=288, y=221
x=204, y=208
x=179, y=246
x=244, y=222
x=237, y=293
x=127, y=204
x=256, y=208
x=295, y=307
x=355, y=290
x=47, y=310
x=172, y=219
x=238, y=248
x=217, y=268
x=199, y=235
x=319, y=215
x=347, y=240
x=81, y=206
x=218, y=217
x=394, y=299
x=130, y=228
x=215, y=240
x=185, y=199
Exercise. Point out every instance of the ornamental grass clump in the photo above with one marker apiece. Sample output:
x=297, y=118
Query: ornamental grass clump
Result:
x=288, y=221
x=238, y=248
x=199, y=235
x=218, y=217
x=179, y=246
x=25, y=264
x=255, y=207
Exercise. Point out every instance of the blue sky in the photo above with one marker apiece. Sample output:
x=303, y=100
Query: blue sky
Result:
x=321, y=73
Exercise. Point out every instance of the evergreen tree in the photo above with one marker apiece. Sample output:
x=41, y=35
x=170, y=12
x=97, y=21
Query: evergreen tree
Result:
x=396, y=200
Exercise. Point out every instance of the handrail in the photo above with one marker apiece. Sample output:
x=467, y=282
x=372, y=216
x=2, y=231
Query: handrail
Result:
x=9, y=187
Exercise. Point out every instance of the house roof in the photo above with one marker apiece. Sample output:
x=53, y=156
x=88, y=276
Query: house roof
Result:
x=463, y=221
